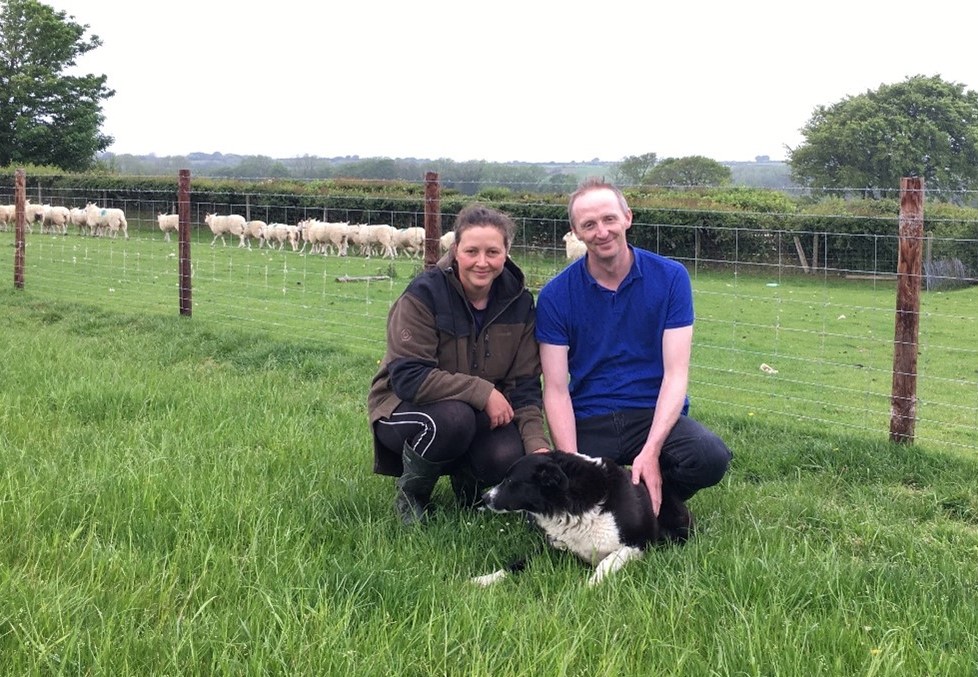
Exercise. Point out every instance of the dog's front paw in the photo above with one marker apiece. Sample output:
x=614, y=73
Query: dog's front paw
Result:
x=489, y=579
x=556, y=543
x=613, y=562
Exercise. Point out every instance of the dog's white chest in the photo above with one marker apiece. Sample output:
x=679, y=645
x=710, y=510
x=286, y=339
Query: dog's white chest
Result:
x=591, y=536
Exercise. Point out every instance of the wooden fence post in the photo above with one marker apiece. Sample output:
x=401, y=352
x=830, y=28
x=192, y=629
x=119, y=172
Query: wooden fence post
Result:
x=432, y=219
x=801, y=254
x=903, y=407
x=20, y=200
x=183, y=217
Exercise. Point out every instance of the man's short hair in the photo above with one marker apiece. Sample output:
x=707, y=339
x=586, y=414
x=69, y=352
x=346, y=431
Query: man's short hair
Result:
x=594, y=183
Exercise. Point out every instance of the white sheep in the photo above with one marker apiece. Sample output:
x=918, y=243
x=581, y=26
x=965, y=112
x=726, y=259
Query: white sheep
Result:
x=276, y=232
x=312, y=232
x=446, y=241
x=337, y=237
x=169, y=223
x=409, y=241
x=573, y=247
x=77, y=217
x=255, y=230
x=356, y=235
x=54, y=219
x=7, y=215
x=294, y=235
x=374, y=235
x=35, y=214
x=106, y=219
x=226, y=224
x=92, y=219
x=305, y=233
x=32, y=214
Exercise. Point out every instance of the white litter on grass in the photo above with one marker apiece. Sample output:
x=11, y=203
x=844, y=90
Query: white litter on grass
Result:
x=841, y=317
x=768, y=369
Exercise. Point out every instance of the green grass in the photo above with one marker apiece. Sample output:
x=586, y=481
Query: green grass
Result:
x=195, y=496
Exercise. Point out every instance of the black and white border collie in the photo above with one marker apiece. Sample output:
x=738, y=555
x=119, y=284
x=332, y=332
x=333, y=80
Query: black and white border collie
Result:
x=586, y=505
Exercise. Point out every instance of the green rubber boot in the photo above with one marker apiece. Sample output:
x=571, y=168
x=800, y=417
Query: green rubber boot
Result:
x=412, y=498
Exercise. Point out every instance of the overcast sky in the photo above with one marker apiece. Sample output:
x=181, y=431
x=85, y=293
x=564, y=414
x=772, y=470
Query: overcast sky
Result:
x=529, y=80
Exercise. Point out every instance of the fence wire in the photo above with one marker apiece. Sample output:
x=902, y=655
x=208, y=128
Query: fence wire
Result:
x=794, y=326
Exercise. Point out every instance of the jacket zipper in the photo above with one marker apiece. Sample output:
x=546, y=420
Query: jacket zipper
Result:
x=483, y=336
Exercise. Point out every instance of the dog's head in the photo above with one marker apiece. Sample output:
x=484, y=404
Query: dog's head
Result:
x=535, y=484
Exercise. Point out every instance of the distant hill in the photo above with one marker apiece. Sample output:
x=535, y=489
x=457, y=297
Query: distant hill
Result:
x=761, y=173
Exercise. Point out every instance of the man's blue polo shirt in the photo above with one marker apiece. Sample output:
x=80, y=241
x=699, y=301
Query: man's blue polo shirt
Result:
x=615, y=337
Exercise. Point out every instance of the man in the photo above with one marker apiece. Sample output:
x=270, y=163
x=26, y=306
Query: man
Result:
x=615, y=330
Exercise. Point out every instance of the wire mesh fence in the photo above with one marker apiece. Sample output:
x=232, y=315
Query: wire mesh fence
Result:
x=795, y=325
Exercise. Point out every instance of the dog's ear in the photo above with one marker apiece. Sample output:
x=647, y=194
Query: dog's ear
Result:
x=550, y=476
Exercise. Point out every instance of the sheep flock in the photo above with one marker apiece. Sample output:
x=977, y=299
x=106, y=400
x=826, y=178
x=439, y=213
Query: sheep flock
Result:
x=56, y=219
x=339, y=238
x=318, y=237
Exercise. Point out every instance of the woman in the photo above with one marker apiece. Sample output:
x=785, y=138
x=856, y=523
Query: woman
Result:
x=458, y=392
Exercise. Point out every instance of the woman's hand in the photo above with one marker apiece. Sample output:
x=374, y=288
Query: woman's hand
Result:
x=498, y=409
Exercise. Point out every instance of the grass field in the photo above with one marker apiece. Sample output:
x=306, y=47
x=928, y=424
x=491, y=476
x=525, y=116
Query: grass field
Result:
x=194, y=495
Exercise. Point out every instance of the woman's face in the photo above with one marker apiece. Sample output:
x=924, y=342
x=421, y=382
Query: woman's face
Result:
x=481, y=255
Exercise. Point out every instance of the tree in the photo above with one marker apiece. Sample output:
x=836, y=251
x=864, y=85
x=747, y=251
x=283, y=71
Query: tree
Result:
x=46, y=116
x=634, y=169
x=693, y=170
x=922, y=126
x=256, y=166
x=519, y=177
x=560, y=182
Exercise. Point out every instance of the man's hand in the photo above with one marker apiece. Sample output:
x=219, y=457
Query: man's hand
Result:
x=645, y=468
x=498, y=409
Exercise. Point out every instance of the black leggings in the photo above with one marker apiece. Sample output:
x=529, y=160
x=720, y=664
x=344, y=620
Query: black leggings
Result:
x=453, y=433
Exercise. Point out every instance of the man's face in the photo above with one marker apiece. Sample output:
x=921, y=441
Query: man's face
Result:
x=599, y=222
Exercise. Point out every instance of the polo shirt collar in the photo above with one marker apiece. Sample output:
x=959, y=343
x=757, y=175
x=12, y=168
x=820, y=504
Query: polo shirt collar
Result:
x=634, y=273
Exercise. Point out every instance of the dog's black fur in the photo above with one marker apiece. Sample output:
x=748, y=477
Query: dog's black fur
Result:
x=586, y=505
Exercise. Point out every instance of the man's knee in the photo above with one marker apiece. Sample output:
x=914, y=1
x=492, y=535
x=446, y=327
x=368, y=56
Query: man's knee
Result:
x=715, y=460
x=700, y=461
